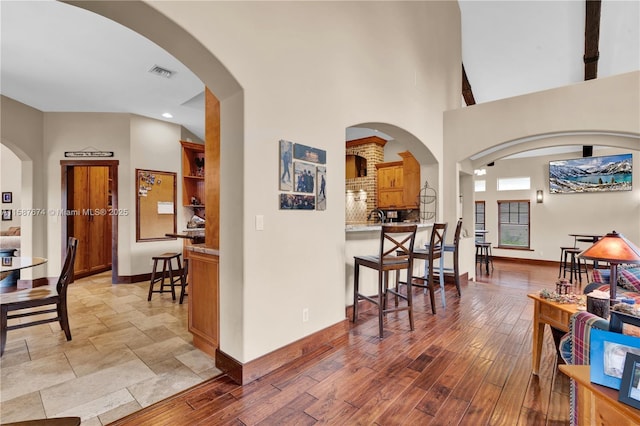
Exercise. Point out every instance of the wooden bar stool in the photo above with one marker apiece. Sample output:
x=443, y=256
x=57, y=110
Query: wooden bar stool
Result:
x=432, y=252
x=392, y=239
x=174, y=276
x=483, y=255
x=563, y=260
x=185, y=274
x=576, y=265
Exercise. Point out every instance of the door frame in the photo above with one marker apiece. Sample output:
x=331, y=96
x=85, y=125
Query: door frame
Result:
x=66, y=165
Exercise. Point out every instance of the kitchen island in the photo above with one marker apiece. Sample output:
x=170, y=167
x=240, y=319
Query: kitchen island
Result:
x=204, y=297
x=364, y=239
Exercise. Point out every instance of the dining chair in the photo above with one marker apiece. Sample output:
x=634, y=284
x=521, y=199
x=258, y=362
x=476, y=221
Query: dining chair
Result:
x=393, y=239
x=432, y=251
x=43, y=298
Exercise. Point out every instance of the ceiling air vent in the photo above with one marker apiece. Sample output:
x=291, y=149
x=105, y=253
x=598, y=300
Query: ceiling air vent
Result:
x=162, y=72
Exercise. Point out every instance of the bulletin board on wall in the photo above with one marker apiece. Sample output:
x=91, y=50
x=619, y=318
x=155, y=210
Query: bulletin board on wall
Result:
x=155, y=205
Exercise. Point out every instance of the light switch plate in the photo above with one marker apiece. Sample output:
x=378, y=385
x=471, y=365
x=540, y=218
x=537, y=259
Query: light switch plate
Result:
x=259, y=222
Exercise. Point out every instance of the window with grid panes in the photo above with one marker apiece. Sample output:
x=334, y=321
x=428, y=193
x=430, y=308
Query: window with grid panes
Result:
x=513, y=224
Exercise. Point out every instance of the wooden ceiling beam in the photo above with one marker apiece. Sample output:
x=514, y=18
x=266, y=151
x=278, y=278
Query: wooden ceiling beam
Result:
x=467, y=93
x=591, y=39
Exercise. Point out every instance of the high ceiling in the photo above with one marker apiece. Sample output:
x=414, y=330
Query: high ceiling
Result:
x=56, y=57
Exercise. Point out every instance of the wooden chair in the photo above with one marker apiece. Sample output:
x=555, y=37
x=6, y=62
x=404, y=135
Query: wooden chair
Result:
x=432, y=251
x=453, y=248
x=42, y=297
x=174, y=276
x=393, y=238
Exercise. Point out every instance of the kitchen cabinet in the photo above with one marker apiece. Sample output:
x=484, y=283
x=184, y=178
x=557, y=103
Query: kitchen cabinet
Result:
x=391, y=176
x=204, y=298
x=356, y=166
x=398, y=183
x=192, y=174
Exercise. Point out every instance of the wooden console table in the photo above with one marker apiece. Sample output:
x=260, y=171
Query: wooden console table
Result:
x=599, y=405
x=557, y=315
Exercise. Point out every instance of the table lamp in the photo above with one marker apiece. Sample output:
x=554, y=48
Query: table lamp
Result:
x=615, y=249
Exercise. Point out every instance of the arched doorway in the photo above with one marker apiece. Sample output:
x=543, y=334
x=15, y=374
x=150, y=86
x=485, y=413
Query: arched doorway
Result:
x=152, y=24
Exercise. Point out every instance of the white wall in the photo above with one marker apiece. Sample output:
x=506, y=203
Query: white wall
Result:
x=309, y=70
x=590, y=112
x=11, y=181
x=137, y=142
x=154, y=145
x=561, y=214
x=305, y=71
x=22, y=130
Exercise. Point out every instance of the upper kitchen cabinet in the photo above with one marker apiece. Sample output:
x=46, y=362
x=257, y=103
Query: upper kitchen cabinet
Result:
x=192, y=174
x=399, y=183
x=356, y=166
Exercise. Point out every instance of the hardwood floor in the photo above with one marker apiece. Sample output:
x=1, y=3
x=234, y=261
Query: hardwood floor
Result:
x=470, y=364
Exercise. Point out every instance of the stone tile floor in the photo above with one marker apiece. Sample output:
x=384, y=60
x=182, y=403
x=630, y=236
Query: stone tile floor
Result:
x=126, y=354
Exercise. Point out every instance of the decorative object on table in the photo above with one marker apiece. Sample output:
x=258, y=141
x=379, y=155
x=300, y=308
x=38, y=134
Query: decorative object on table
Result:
x=563, y=286
x=562, y=298
x=607, y=352
x=7, y=197
x=598, y=303
x=615, y=249
x=591, y=174
x=630, y=385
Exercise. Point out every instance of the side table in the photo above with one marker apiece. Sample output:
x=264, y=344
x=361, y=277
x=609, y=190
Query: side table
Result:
x=557, y=315
x=598, y=405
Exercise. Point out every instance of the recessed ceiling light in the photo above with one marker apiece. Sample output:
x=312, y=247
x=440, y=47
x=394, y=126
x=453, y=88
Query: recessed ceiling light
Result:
x=167, y=115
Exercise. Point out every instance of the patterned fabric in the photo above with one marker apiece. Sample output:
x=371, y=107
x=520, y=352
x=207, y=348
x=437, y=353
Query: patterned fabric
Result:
x=575, y=347
x=601, y=275
x=621, y=292
x=630, y=278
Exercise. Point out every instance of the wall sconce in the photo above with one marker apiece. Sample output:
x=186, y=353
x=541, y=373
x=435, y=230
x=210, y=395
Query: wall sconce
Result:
x=539, y=198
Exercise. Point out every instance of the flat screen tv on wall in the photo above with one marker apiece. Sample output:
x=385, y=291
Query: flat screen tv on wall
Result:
x=591, y=174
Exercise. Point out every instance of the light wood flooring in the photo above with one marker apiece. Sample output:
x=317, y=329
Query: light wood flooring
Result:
x=470, y=364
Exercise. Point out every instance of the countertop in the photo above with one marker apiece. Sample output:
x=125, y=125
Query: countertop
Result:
x=200, y=248
x=366, y=227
